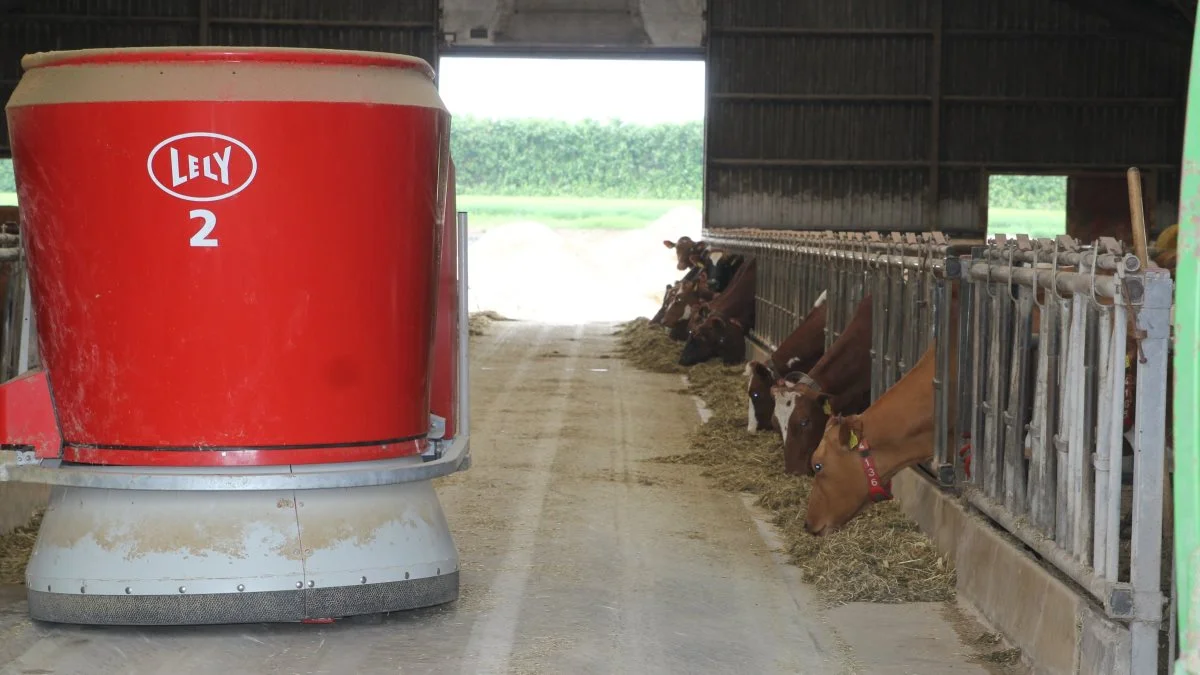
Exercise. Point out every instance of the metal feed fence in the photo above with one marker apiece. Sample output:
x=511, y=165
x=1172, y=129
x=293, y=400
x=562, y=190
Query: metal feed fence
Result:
x=1040, y=386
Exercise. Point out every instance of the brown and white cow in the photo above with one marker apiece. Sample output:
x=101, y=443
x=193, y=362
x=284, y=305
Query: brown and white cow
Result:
x=723, y=330
x=799, y=351
x=859, y=454
x=840, y=383
x=688, y=252
x=685, y=304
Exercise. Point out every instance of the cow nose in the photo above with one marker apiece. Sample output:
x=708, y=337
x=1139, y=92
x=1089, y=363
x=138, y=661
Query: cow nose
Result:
x=808, y=526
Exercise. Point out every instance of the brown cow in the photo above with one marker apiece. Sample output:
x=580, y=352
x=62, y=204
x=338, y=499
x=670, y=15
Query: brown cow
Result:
x=859, y=454
x=686, y=303
x=688, y=253
x=723, y=330
x=839, y=383
x=799, y=351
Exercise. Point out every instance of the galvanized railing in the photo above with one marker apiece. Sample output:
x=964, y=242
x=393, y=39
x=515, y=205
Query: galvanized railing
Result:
x=1040, y=388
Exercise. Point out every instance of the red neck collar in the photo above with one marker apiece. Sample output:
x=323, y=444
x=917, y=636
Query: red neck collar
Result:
x=878, y=489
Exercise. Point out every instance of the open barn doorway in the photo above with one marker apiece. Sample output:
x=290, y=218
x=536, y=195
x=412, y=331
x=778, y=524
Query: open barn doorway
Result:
x=573, y=172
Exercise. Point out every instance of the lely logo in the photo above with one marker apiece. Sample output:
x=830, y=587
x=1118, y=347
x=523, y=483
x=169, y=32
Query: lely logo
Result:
x=202, y=166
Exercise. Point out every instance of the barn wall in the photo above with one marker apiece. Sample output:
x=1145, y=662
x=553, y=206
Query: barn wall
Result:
x=402, y=26
x=870, y=114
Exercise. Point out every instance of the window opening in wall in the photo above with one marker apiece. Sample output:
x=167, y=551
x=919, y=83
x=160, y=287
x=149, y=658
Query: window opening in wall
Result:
x=8, y=186
x=1023, y=204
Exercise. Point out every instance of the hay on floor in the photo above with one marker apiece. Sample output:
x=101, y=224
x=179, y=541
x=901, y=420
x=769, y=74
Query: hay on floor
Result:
x=478, y=322
x=648, y=347
x=15, y=549
x=880, y=556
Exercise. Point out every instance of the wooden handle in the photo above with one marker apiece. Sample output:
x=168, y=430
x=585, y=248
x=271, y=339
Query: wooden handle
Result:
x=1137, y=216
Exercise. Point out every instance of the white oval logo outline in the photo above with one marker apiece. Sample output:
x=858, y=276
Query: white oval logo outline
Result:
x=200, y=134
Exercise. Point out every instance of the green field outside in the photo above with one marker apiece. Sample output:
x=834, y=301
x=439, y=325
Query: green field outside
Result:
x=8, y=199
x=566, y=212
x=1034, y=222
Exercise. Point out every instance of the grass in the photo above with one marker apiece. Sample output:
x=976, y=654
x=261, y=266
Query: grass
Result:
x=1033, y=222
x=567, y=212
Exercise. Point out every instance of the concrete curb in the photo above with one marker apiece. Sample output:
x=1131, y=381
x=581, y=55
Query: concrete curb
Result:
x=1060, y=631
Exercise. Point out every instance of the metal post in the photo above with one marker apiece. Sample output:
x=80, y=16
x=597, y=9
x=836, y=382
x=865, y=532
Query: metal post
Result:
x=463, y=425
x=1149, y=449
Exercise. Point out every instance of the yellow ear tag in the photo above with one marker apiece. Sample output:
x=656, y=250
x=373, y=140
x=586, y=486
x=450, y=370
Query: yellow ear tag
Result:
x=827, y=408
x=1128, y=361
x=853, y=440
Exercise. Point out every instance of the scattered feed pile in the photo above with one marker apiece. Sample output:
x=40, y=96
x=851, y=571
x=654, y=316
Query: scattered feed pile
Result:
x=880, y=556
x=15, y=549
x=478, y=322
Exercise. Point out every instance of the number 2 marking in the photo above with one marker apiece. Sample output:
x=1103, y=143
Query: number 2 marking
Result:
x=210, y=223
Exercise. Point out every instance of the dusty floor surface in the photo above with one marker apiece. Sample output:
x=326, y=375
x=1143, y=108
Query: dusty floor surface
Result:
x=577, y=557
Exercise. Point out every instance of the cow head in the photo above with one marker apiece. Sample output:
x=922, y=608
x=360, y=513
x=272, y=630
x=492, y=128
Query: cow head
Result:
x=685, y=327
x=662, y=310
x=684, y=250
x=760, y=413
x=715, y=336
x=840, y=488
x=806, y=410
x=686, y=300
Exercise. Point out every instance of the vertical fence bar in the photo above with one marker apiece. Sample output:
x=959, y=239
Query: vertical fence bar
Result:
x=979, y=370
x=1116, y=433
x=1043, y=482
x=1063, y=515
x=943, y=461
x=992, y=452
x=964, y=387
x=1018, y=399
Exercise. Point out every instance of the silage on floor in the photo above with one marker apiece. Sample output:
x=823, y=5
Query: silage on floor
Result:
x=880, y=556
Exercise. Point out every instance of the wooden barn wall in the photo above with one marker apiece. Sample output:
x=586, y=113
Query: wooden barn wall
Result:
x=869, y=114
x=400, y=26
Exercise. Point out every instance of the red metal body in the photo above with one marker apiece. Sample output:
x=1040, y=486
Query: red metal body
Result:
x=233, y=254
x=444, y=399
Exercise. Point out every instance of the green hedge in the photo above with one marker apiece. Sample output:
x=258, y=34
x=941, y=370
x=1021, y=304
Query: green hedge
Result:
x=545, y=158
x=1028, y=192
x=550, y=158
x=7, y=182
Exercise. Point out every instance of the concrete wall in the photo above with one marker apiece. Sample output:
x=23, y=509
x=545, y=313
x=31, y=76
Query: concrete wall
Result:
x=1060, y=631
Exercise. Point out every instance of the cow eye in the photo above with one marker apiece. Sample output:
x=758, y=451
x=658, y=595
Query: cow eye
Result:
x=816, y=468
x=803, y=423
x=754, y=394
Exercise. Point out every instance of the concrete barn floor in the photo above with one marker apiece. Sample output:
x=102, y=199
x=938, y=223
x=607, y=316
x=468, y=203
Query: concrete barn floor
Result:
x=577, y=557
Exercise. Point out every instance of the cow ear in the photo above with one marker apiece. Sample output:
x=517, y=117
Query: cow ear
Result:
x=823, y=400
x=760, y=370
x=668, y=243
x=850, y=431
x=718, y=321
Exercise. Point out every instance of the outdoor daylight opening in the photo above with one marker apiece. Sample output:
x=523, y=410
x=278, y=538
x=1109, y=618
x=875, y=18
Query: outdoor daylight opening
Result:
x=1021, y=204
x=572, y=172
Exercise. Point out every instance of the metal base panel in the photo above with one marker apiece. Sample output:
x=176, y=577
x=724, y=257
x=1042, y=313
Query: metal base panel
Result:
x=158, y=557
x=226, y=608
